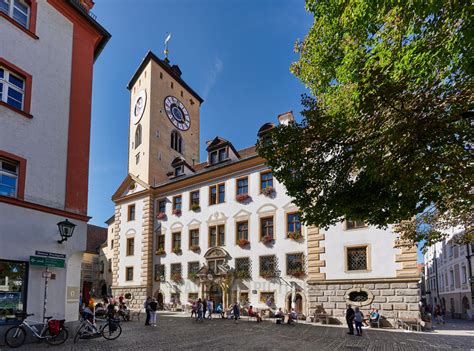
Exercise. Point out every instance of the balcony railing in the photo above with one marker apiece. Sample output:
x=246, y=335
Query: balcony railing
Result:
x=83, y=9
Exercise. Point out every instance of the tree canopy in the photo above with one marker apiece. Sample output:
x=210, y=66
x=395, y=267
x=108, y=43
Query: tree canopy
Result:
x=387, y=125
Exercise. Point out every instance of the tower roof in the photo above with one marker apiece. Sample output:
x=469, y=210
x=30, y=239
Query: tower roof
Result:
x=173, y=71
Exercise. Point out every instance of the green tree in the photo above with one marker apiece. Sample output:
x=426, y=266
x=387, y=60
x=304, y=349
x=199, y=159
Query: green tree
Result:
x=387, y=129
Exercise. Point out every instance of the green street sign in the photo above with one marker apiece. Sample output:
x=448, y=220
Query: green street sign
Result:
x=46, y=262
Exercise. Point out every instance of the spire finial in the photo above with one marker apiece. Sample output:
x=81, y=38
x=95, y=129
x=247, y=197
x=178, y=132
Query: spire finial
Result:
x=168, y=37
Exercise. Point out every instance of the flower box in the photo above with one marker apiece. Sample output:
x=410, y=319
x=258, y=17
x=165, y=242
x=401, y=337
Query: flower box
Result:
x=268, y=191
x=297, y=273
x=243, y=197
x=242, y=275
x=192, y=276
x=177, y=251
x=295, y=235
x=267, y=239
x=161, y=216
x=177, y=212
x=195, y=248
x=268, y=274
x=195, y=208
x=176, y=277
x=160, y=252
x=243, y=242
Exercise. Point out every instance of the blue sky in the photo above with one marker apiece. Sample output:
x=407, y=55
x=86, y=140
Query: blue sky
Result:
x=236, y=54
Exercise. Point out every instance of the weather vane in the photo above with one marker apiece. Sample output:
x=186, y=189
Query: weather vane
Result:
x=168, y=37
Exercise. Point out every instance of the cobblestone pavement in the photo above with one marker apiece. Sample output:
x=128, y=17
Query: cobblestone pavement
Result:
x=174, y=333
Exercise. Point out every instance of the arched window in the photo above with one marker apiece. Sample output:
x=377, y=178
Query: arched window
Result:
x=138, y=136
x=176, y=142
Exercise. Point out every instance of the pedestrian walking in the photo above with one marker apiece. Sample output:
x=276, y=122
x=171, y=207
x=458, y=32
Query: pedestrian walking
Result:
x=199, y=309
x=194, y=309
x=204, y=307
x=236, y=312
x=350, y=319
x=153, y=312
x=210, y=308
x=358, y=318
x=146, y=305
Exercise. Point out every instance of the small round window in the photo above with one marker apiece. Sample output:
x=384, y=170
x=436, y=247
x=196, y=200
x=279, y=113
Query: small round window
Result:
x=358, y=296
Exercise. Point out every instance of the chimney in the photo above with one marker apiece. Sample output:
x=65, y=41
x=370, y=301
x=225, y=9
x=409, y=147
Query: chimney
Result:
x=87, y=4
x=286, y=118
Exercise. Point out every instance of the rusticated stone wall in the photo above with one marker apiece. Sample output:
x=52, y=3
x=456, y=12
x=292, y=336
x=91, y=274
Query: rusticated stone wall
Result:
x=139, y=295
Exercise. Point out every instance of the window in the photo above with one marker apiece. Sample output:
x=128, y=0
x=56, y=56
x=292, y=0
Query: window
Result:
x=193, y=296
x=159, y=272
x=12, y=88
x=295, y=264
x=16, y=9
x=217, y=266
x=130, y=246
x=8, y=177
x=176, y=241
x=160, y=242
x=193, y=268
x=266, y=180
x=242, y=186
x=177, y=201
x=243, y=230
x=357, y=258
x=13, y=278
x=109, y=263
x=267, y=297
x=218, y=156
x=217, y=236
x=102, y=267
x=464, y=274
x=137, y=158
x=266, y=227
x=128, y=274
x=242, y=268
x=131, y=213
x=178, y=171
x=268, y=266
x=293, y=223
x=176, y=272
x=194, y=238
x=176, y=142
x=354, y=224
x=217, y=194
x=112, y=243
x=194, y=198
x=451, y=278
x=162, y=206
x=138, y=135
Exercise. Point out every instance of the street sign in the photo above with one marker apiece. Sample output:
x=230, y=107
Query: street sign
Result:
x=46, y=262
x=49, y=254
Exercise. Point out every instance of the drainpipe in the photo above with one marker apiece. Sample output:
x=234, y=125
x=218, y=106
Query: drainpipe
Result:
x=436, y=275
x=469, y=270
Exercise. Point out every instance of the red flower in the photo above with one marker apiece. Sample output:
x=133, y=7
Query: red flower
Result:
x=243, y=242
x=242, y=197
x=161, y=216
x=177, y=212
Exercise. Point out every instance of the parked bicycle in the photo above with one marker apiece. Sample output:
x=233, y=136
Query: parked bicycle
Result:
x=88, y=328
x=53, y=331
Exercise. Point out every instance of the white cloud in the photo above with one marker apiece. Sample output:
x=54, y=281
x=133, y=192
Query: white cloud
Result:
x=213, y=74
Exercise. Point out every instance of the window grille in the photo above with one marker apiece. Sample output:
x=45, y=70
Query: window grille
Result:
x=160, y=272
x=193, y=268
x=357, y=258
x=268, y=266
x=353, y=224
x=243, y=268
x=176, y=272
x=295, y=264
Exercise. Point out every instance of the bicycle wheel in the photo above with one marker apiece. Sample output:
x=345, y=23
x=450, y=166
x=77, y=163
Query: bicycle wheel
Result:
x=111, y=334
x=15, y=336
x=58, y=339
x=79, y=333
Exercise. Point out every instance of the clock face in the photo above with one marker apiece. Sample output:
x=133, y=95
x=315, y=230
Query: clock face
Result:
x=139, y=106
x=177, y=113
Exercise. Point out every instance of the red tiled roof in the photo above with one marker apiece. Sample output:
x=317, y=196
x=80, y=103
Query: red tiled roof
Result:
x=95, y=237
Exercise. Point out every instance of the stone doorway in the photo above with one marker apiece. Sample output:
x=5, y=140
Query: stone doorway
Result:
x=215, y=293
x=298, y=303
x=160, y=300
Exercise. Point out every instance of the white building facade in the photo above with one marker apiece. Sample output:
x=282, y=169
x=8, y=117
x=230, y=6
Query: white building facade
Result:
x=44, y=170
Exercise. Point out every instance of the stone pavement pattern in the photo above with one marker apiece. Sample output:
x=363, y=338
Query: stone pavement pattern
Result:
x=185, y=334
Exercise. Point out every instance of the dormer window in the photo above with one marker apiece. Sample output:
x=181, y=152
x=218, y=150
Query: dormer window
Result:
x=178, y=171
x=218, y=156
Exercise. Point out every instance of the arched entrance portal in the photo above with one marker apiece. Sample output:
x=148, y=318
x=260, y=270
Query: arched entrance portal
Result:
x=298, y=303
x=215, y=293
x=159, y=299
x=103, y=290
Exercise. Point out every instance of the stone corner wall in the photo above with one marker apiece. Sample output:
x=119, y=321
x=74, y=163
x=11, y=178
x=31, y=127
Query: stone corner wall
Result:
x=140, y=293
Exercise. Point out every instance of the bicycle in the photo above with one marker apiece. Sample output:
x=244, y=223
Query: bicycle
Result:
x=110, y=330
x=16, y=335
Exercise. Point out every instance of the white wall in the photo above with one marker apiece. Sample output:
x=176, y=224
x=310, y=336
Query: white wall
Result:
x=42, y=140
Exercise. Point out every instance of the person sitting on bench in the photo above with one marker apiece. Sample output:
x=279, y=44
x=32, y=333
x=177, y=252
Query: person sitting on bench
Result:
x=292, y=316
x=254, y=314
x=280, y=316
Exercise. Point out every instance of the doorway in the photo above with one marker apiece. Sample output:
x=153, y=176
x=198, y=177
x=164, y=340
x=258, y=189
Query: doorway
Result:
x=159, y=300
x=298, y=303
x=215, y=293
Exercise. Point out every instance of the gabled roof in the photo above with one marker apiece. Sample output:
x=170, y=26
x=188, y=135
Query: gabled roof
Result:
x=173, y=71
x=219, y=142
x=95, y=238
x=129, y=179
x=178, y=161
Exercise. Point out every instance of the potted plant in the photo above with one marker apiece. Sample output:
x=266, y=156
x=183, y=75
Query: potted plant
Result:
x=160, y=251
x=267, y=239
x=295, y=235
x=267, y=274
x=195, y=248
x=242, y=197
x=243, y=242
x=242, y=275
x=177, y=212
x=297, y=272
x=176, y=277
x=161, y=216
x=195, y=207
x=177, y=250
x=192, y=275
x=268, y=191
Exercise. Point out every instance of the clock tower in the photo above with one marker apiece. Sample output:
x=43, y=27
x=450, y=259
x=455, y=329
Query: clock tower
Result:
x=164, y=120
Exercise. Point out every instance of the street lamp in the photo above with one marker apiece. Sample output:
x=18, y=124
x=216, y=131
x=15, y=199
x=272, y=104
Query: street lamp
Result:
x=66, y=229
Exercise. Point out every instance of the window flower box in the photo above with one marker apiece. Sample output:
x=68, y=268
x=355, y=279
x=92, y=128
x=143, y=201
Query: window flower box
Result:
x=192, y=276
x=177, y=212
x=268, y=274
x=243, y=242
x=297, y=273
x=242, y=275
x=195, y=248
x=243, y=198
x=195, y=208
x=176, y=277
x=268, y=191
x=295, y=235
x=161, y=216
x=160, y=252
x=267, y=239
x=177, y=250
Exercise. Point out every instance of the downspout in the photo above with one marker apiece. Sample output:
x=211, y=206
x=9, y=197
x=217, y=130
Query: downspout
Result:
x=471, y=278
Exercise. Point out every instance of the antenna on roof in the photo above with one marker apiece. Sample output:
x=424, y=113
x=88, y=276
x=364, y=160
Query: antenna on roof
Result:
x=168, y=37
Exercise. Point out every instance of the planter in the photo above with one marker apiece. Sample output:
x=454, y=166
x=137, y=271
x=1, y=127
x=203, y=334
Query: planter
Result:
x=295, y=235
x=177, y=212
x=242, y=275
x=268, y=240
x=268, y=275
x=161, y=216
x=268, y=191
x=160, y=252
x=195, y=208
x=243, y=198
x=176, y=277
x=193, y=276
x=243, y=242
x=297, y=273
x=177, y=251
x=195, y=248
